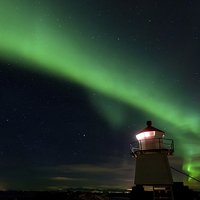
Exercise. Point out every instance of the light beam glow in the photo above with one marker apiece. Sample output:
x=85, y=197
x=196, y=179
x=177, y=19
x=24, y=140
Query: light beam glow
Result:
x=144, y=135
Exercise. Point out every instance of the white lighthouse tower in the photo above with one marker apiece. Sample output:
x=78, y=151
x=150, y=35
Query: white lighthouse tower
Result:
x=152, y=166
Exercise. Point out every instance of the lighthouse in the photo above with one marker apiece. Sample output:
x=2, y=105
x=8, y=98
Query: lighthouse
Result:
x=151, y=151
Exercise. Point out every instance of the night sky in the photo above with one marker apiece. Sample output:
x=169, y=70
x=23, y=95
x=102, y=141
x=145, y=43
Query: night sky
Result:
x=80, y=78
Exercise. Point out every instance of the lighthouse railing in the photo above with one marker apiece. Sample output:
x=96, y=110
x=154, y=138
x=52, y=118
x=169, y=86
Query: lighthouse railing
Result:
x=153, y=144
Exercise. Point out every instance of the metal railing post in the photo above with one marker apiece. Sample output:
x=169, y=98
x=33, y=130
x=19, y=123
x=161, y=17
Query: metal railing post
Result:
x=159, y=144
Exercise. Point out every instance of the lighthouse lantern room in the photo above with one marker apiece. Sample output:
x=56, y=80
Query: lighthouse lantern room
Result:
x=150, y=140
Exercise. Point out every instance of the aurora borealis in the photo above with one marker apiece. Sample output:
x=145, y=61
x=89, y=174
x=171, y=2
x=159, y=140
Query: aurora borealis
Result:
x=83, y=77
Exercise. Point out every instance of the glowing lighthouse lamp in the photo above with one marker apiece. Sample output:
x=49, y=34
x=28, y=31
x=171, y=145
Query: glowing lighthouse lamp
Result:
x=152, y=166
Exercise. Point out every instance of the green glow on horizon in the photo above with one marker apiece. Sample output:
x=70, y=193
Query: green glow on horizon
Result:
x=193, y=168
x=54, y=48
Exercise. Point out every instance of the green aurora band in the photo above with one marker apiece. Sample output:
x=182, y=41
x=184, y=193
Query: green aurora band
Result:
x=32, y=37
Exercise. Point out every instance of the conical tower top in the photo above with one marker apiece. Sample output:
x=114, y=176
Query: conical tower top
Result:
x=150, y=128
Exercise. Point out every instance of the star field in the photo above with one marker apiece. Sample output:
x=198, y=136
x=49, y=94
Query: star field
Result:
x=79, y=79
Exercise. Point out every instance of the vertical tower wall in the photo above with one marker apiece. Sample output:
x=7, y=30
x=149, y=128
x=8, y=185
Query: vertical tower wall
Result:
x=153, y=169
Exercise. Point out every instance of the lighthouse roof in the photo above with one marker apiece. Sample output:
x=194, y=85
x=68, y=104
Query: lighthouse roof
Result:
x=150, y=128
